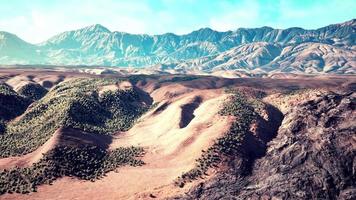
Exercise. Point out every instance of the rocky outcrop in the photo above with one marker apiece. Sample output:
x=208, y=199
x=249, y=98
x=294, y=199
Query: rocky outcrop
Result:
x=312, y=157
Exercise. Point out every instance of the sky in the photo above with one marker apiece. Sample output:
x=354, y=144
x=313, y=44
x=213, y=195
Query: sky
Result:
x=37, y=20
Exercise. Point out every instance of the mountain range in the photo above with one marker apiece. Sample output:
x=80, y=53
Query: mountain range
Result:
x=329, y=49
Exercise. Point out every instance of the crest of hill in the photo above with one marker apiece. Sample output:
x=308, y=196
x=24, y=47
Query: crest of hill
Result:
x=75, y=104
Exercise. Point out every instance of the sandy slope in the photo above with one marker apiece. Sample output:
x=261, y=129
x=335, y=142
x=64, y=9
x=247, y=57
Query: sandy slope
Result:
x=30, y=158
x=171, y=150
x=63, y=136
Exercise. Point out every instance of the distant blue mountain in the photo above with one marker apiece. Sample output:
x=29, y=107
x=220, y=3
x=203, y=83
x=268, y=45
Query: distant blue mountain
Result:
x=327, y=49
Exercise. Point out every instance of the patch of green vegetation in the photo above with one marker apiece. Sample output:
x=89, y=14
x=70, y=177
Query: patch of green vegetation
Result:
x=76, y=104
x=87, y=163
x=140, y=77
x=229, y=144
x=33, y=91
x=11, y=103
x=301, y=91
x=246, y=91
x=179, y=79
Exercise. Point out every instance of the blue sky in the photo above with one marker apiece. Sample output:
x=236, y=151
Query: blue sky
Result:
x=37, y=20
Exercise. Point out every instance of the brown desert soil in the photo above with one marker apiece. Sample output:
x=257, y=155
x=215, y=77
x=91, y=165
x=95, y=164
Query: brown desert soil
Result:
x=171, y=148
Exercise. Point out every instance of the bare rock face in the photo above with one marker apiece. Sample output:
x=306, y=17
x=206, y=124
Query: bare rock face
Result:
x=312, y=157
x=314, y=58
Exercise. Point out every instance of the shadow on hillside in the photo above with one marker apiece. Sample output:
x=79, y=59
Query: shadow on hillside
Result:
x=187, y=114
x=76, y=137
x=255, y=145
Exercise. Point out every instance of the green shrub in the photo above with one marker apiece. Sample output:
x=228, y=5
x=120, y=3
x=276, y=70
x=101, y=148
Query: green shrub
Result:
x=87, y=163
x=179, y=79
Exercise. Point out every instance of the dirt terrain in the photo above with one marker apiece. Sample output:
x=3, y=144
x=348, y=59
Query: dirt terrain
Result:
x=173, y=134
x=311, y=157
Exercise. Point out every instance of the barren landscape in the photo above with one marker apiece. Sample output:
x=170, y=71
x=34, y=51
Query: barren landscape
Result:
x=178, y=100
x=186, y=120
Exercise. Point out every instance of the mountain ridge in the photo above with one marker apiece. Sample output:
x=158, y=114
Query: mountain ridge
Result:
x=97, y=45
x=346, y=23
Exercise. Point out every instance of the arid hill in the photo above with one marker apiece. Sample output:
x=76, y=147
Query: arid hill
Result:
x=77, y=135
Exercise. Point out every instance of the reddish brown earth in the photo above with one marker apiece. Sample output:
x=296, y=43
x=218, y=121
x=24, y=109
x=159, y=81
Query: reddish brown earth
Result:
x=185, y=122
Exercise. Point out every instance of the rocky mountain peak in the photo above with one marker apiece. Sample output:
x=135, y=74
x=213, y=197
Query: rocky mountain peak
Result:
x=97, y=28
